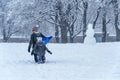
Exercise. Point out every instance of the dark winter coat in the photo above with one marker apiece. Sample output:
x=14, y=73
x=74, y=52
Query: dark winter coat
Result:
x=40, y=49
x=33, y=39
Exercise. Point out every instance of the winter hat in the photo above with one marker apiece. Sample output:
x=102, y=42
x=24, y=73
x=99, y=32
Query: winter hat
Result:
x=35, y=28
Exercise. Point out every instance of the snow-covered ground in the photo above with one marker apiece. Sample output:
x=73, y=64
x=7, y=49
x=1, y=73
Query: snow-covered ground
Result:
x=76, y=61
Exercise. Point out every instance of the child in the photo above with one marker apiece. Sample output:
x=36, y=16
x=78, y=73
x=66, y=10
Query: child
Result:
x=40, y=49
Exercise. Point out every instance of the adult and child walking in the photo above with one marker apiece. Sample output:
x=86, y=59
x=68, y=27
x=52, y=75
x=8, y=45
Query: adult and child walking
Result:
x=38, y=46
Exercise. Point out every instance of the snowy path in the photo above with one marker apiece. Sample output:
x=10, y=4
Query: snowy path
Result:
x=68, y=62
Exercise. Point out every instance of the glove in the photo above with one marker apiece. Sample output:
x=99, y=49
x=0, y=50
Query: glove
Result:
x=50, y=52
x=29, y=50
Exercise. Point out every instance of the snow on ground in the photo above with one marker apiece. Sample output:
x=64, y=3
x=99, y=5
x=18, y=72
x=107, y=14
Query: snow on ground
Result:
x=76, y=61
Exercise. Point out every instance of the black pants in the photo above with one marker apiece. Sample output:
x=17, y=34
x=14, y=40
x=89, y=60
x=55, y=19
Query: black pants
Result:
x=35, y=58
x=39, y=58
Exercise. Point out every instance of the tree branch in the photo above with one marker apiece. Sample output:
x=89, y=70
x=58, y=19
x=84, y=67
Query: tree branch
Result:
x=94, y=22
x=52, y=22
x=78, y=33
x=12, y=33
x=108, y=21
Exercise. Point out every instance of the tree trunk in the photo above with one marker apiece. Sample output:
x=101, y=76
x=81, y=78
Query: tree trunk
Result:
x=117, y=29
x=85, y=5
x=71, y=33
x=3, y=26
x=104, y=25
x=95, y=21
x=56, y=28
x=62, y=22
x=63, y=31
x=116, y=14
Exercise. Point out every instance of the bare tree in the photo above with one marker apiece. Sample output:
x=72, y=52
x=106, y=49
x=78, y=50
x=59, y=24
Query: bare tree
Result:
x=116, y=16
x=72, y=15
x=67, y=17
x=95, y=21
x=104, y=31
x=57, y=7
x=3, y=20
x=105, y=21
x=85, y=6
x=102, y=10
x=7, y=24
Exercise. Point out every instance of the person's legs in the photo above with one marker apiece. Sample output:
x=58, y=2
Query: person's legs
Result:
x=39, y=59
x=43, y=59
x=35, y=58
